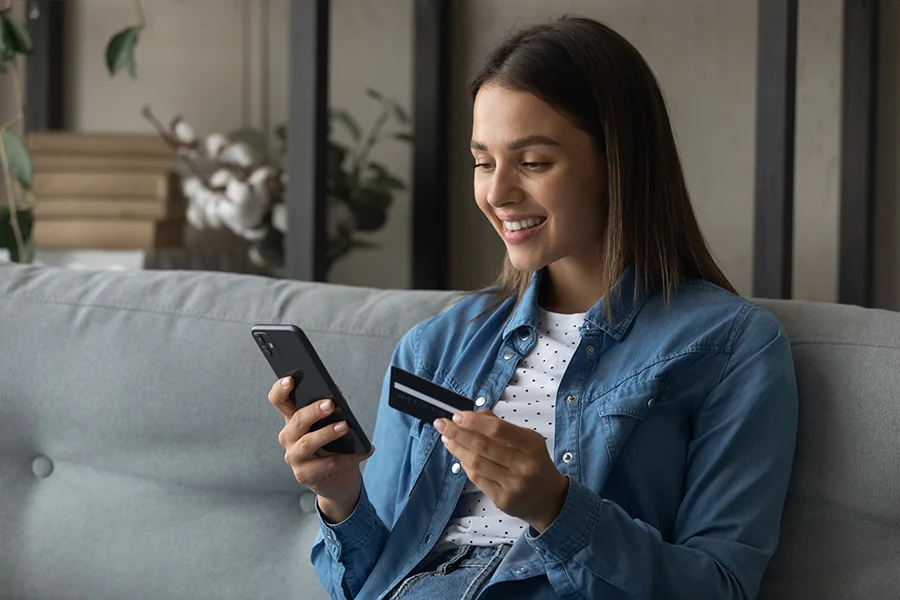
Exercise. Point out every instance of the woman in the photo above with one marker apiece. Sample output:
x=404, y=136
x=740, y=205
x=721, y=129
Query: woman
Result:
x=636, y=418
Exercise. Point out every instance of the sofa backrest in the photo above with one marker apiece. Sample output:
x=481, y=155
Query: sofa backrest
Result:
x=841, y=527
x=139, y=459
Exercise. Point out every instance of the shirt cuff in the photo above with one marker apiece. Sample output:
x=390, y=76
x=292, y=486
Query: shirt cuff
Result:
x=354, y=531
x=573, y=526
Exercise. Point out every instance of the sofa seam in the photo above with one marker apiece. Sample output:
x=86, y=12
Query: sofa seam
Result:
x=834, y=342
x=175, y=313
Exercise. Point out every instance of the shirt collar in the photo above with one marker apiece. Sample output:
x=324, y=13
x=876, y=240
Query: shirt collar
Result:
x=617, y=324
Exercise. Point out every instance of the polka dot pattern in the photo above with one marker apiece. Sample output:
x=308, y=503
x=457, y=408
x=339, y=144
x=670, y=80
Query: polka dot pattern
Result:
x=529, y=401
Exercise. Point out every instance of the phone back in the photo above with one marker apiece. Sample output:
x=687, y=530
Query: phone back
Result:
x=290, y=354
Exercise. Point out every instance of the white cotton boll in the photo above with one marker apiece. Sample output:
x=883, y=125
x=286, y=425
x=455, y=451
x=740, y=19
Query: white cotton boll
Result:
x=190, y=186
x=238, y=192
x=259, y=183
x=215, y=143
x=221, y=178
x=238, y=154
x=260, y=176
x=202, y=197
x=195, y=217
x=279, y=217
x=256, y=256
x=231, y=217
x=255, y=235
x=183, y=132
x=252, y=213
x=211, y=212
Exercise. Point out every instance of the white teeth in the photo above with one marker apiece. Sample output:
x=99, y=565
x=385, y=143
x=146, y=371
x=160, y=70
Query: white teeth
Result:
x=524, y=224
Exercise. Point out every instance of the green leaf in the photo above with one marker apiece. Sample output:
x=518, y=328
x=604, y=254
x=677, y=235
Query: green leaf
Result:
x=336, y=155
x=254, y=138
x=370, y=209
x=19, y=158
x=8, y=237
x=403, y=137
x=120, y=51
x=343, y=117
x=375, y=94
x=17, y=34
x=383, y=180
x=401, y=113
x=281, y=133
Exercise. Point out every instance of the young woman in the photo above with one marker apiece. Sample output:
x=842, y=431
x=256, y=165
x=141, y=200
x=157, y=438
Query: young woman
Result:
x=636, y=418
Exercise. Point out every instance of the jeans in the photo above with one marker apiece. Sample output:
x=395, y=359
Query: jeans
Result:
x=458, y=574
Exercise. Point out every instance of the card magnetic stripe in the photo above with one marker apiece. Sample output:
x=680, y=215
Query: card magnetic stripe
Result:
x=425, y=398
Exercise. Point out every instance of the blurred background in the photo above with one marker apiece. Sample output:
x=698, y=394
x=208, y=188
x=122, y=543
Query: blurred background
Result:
x=226, y=66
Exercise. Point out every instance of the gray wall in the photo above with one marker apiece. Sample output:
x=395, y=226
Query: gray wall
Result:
x=703, y=52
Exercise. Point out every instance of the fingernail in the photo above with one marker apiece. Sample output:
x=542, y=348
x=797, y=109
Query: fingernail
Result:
x=439, y=425
x=325, y=406
x=457, y=418
x=286, y=381
x=341, y=427
x=445, y=439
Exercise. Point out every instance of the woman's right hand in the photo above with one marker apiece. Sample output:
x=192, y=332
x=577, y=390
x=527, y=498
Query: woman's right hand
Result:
x=335, y=478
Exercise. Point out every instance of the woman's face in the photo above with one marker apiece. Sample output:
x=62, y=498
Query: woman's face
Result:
x=537, y=180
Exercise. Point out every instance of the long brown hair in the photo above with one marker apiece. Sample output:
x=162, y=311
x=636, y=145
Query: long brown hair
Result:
x=594, y=76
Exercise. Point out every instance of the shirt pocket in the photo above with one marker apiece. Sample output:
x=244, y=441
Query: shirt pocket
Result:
x=422, y=439
x=622, y=409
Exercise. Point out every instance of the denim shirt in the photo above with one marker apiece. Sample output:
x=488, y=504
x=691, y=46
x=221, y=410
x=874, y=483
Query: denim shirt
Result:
x=675, y=424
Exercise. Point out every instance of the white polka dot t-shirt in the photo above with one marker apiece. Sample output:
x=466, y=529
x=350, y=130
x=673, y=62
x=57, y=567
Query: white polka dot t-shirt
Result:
x=528, y=401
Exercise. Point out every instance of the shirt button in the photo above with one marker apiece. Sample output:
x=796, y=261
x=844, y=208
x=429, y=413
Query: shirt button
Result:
x=590, y=350
x=329, y=538
x=455, y=468
x=520, y=570
x=508, y=356
x=570, y=399
x=481, y=401
x=428, y=538
x=567, y=457
x=524, y=335
x=651, y=402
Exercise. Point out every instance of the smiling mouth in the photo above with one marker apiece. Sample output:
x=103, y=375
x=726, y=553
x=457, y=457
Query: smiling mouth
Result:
x=523, y=224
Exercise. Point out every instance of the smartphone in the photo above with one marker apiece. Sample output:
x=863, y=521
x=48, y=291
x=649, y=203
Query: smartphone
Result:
x=290, y=354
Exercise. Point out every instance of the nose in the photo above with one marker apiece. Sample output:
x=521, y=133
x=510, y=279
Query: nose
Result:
x=504, y=187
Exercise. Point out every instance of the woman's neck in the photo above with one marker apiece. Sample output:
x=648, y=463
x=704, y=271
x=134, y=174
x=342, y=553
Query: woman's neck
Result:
x=568, y=288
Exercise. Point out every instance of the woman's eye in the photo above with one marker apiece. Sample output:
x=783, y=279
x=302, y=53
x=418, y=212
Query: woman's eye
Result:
x=535, y=166
x=484, y=166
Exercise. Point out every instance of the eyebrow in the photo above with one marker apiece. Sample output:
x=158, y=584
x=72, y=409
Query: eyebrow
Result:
x=531, y=140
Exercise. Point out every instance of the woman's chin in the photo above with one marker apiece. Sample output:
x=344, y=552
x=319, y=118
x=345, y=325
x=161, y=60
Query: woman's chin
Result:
x=525, y=263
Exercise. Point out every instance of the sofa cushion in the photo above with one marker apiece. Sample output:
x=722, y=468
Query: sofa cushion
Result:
x=138, y=453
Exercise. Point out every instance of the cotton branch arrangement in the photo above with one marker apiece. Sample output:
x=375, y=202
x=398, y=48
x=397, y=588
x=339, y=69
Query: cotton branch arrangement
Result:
x=234, y=181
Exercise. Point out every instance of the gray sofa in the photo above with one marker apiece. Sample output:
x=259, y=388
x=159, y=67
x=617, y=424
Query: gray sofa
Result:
x=139, y=459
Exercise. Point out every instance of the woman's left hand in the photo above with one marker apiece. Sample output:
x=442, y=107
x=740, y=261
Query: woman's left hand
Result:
x=510, y=464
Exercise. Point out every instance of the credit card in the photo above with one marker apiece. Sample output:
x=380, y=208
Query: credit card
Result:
x=423, y=399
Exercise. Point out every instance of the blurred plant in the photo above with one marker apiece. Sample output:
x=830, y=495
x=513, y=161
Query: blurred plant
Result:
x=237, y=180
x=16, y=215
